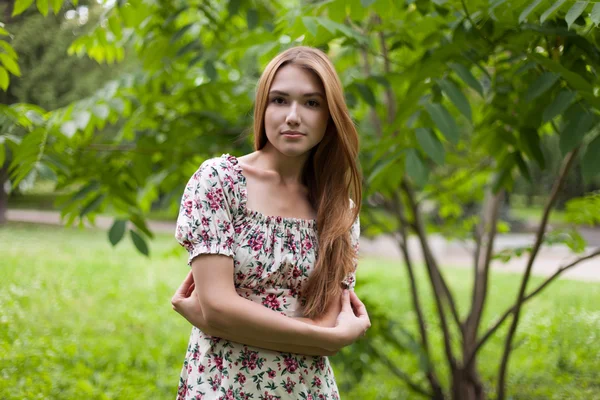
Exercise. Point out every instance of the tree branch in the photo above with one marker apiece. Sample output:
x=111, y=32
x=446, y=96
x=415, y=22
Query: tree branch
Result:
x=488, y=231
x=536, y=247
x=537, y=290
x=403, y=243
x=399, y=373
x=437, y=281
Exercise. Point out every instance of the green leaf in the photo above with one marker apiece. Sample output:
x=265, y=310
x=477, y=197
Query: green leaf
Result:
x=444, y=121
x=551, y=10
x=574, y=79
x=233, y=7
x=528, y=10
x=252, y=18
x=4, y=79
x=415, y=168
x=366, y=93
x=580, y=121
x=20, y=6
x=92, y=186
x=531, y=142
x=595, y=14
x=56, y=5
x=2, y=153
x=366, y=3
x=10, y=64
x=540, y=86
x=42, y=6
x=457, y=97
x=210, y=70
x=117, y=231
x=179, y=34
x=383, y=166
x=139, y=243
x=431, y=145
x=311, y=25
x=575, y=11
x=590, y=163
x=92, y=205
x=9, y=49
x=522, y=166
x=4, y=32
x=467, y=77
x=562, y=101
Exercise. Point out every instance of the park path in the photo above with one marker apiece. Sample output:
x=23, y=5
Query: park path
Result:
x=451, y=253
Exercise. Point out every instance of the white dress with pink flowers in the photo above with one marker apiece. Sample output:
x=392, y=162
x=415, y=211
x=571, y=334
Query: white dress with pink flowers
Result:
x=273, y=258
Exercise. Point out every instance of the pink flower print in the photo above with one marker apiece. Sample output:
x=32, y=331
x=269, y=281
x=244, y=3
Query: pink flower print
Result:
x=187, y=205
x=229, y=394
x=307, y=244
x=279, y=220
x=271, y=373
x=291, y=364
x=271, y=301
x=289, y=385
x=200, y=369
x=256, y=243
x=215, y=382
x=259, y=270
x=241, y=378
x=316, y=382
x=219, y=363
x=296, y=272
x=215, y=198
x=205, y=221
x=240, y=276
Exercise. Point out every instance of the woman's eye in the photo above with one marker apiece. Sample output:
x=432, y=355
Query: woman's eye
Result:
x=278, y=100
x=313, y=103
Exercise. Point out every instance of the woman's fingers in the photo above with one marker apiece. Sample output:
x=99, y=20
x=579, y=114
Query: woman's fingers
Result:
x=359, y=307
x=190, y=290
x=346, y=307
x=183, y=288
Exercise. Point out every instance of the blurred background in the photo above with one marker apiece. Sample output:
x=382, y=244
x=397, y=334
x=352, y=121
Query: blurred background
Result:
x=480, y=152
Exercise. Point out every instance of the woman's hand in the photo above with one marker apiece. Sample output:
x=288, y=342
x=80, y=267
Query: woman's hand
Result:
x=186, y=303
x=352, y=321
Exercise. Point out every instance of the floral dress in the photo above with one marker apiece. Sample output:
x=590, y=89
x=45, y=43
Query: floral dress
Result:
x=273, y=258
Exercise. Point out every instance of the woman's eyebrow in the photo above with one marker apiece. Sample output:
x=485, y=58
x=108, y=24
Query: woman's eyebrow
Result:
x=311, y=94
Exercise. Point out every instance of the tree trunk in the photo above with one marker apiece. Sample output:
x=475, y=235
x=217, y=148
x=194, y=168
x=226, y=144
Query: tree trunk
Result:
x=3, y=194
x=466, y=385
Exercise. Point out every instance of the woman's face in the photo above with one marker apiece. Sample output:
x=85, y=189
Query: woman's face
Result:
x=297, y=112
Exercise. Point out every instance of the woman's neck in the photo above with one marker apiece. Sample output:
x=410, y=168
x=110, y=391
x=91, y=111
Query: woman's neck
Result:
x=288, y=169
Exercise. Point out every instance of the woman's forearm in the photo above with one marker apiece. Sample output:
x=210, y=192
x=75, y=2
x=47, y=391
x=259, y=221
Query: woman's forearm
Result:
x=200, y=322
x=260, y=324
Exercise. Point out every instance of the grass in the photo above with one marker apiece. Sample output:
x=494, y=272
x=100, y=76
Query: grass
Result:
x=79, y=319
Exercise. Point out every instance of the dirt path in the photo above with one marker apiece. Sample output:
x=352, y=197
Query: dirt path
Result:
x=452, y=254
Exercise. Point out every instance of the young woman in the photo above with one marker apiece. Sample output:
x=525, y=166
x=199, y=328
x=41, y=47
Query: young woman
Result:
x=273, y=239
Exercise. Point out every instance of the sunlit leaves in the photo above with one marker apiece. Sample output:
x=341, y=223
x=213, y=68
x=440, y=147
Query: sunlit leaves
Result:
x=457, y=97
x=444, y=121
x=551, y=10
x=431, y=145
x=139, y=242
x=20, y=6
x=528, y=10
x=415, y=167
x=575, y=11
x=4, y=79
x=595, y=14
x=467, y=77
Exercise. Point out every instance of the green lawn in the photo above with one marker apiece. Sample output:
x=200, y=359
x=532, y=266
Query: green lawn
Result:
x=81, y=320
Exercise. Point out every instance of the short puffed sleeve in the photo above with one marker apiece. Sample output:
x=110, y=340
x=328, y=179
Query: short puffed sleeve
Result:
x=350, y=281
x=208, y=205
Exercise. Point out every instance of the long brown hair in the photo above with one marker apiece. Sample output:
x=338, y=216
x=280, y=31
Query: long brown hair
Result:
x=331, y=174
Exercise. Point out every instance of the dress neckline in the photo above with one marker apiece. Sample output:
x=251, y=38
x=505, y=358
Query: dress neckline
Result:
x=257, y=215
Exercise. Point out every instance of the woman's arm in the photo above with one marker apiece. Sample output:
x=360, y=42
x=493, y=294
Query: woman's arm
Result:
x=241, y=320
x=192, y=311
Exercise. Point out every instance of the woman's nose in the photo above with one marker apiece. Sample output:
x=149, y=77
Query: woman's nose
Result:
x=293, y=118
